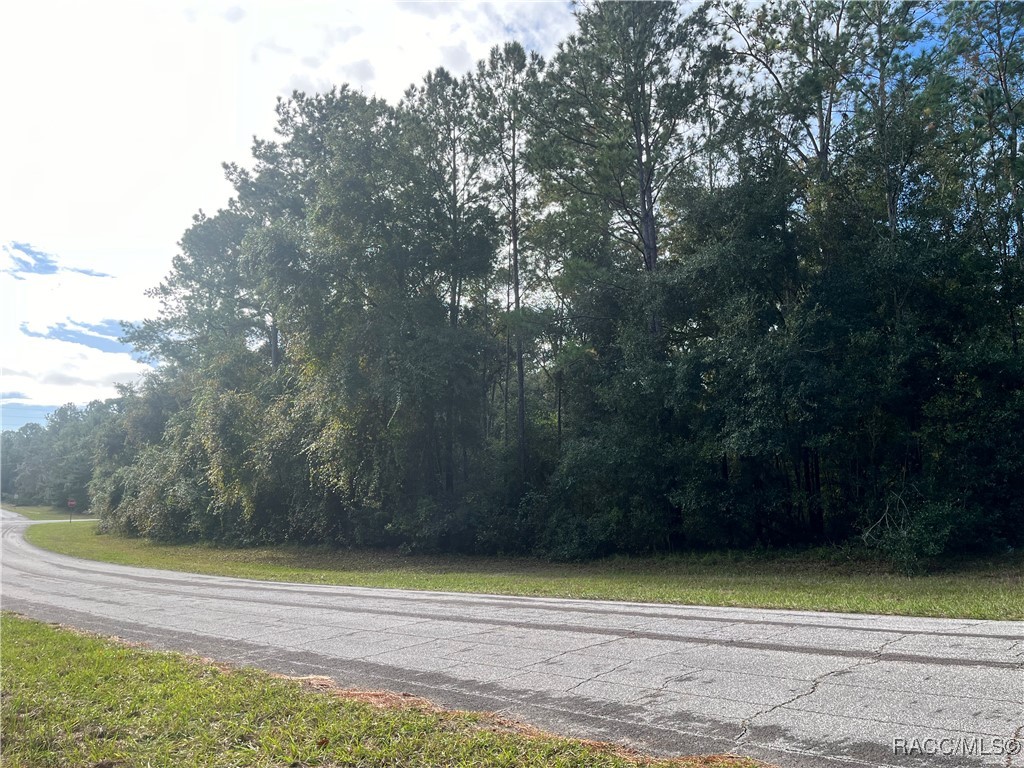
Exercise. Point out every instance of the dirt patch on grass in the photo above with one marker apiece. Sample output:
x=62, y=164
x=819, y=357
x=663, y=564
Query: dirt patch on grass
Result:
x=380, y=699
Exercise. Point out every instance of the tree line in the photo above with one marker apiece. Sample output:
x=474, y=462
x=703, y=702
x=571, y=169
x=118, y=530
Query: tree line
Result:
x=736, y=276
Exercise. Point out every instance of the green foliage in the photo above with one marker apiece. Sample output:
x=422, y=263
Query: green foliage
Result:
x=736, y=277
x=910, y=535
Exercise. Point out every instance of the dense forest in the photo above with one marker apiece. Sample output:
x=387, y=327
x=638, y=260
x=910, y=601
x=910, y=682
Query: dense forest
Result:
x=726, y=276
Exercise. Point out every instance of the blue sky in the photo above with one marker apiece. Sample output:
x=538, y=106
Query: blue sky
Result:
x=25, y=261
x=122, y=116
x=104, y=336
x=60, y=330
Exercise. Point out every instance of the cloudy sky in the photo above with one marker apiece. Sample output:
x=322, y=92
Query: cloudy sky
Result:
x=115, y=120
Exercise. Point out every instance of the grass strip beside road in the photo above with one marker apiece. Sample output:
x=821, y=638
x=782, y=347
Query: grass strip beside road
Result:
x=822, y=581
x=74, y=699
x=46, y=513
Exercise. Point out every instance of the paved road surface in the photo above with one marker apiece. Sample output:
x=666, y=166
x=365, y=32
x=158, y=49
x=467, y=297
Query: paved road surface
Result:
x=792, y=688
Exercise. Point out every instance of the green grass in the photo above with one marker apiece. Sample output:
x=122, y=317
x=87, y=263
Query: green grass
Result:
x=45, y=513
x=826, y=580
x=75, y=700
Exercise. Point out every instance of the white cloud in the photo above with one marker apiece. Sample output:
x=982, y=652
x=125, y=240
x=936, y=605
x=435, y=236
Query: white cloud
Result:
x=360, y=73
x=268, y=45
x=39, y=308
x=342, y=34
x=456, y=57
x=61, y=372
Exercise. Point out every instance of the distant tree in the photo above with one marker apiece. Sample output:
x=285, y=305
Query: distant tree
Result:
x=505, y=99
x=621, y=94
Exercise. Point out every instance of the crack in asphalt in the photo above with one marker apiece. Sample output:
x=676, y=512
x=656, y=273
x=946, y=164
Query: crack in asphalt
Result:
x=747, y=723
x=592, y=678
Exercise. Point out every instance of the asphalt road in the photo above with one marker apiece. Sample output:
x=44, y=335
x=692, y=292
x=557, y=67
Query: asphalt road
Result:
x=792, y=688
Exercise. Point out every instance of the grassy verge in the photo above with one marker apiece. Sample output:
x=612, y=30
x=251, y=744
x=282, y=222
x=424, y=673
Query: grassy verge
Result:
x=810, y=581
x=76, y=700
x=45, y=513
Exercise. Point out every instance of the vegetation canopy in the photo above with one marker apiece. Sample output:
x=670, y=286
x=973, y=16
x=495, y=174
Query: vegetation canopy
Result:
x=734, y=276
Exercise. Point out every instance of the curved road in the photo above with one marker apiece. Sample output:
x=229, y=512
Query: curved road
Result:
x=792, y=688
